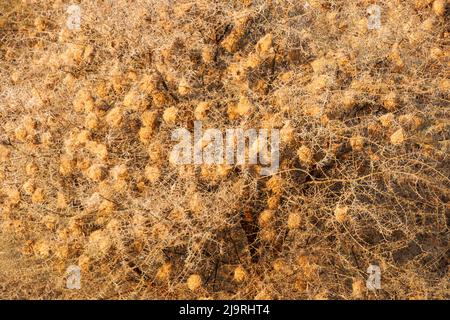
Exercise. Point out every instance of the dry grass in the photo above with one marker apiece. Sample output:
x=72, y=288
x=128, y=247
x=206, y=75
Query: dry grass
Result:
x=85, y=124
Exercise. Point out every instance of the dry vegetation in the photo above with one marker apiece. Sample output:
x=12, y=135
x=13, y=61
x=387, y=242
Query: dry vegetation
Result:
x=85, y=124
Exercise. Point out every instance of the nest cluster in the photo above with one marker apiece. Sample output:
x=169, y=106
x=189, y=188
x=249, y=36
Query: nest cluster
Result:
x=86, y=117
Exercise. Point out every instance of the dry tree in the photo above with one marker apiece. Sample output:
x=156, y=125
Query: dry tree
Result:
x=86, y=116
